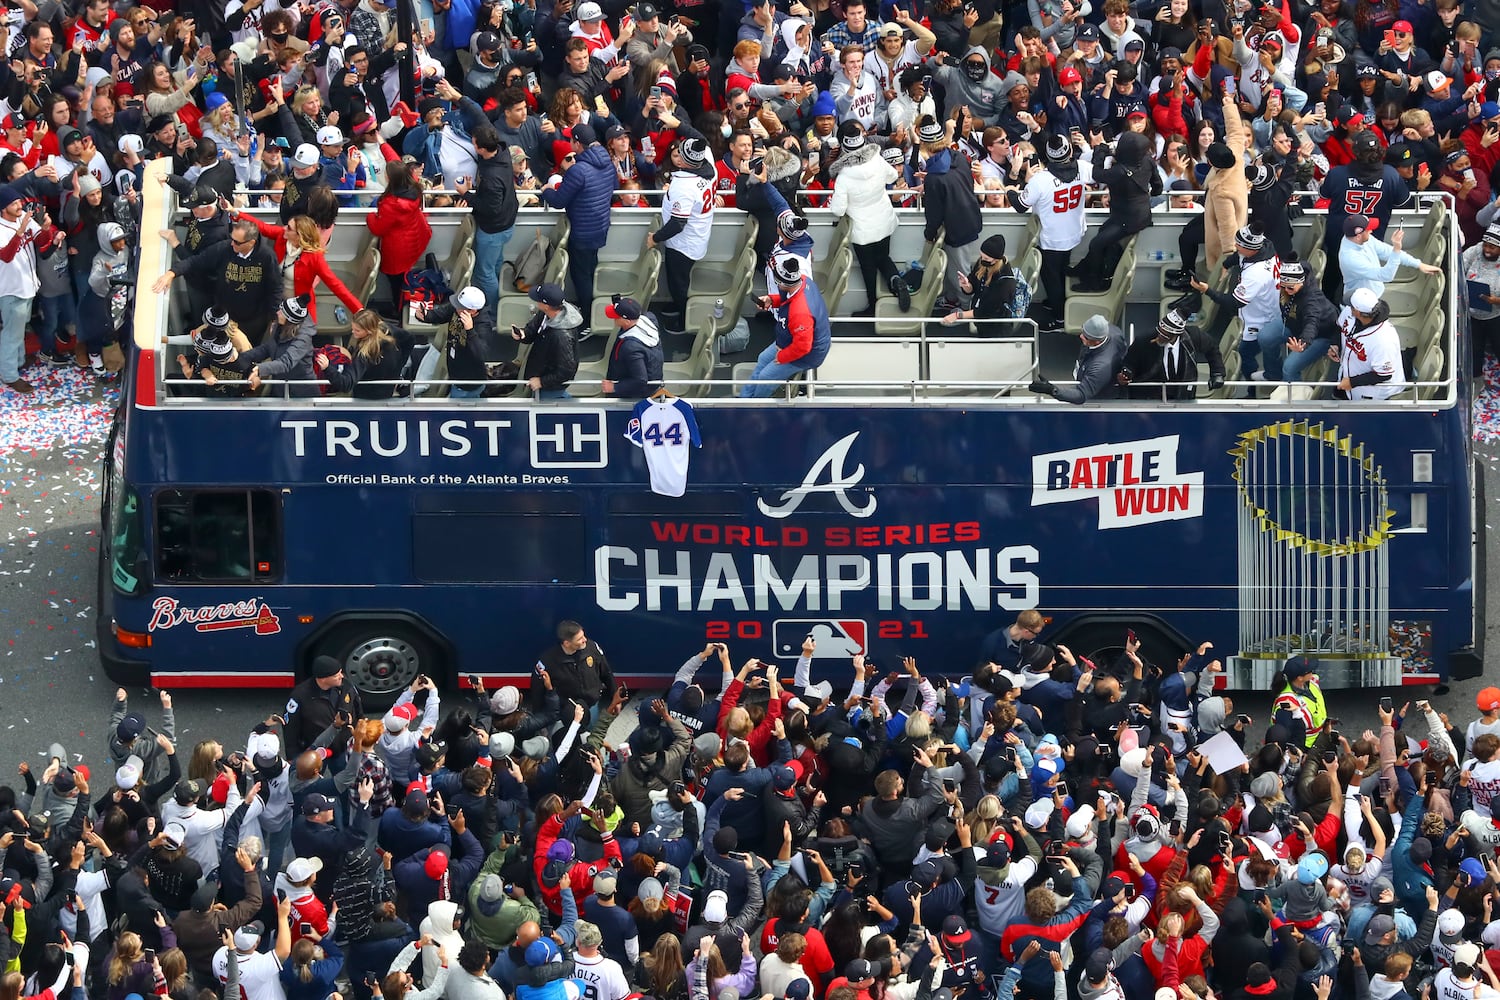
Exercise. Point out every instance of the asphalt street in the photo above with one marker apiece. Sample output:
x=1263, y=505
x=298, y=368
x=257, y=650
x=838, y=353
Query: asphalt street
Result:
x=52, y=687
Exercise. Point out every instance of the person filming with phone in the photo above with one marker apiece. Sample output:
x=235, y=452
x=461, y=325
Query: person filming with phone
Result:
x=578, y=668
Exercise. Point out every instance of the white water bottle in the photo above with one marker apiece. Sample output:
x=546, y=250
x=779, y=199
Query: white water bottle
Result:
x=718, y=309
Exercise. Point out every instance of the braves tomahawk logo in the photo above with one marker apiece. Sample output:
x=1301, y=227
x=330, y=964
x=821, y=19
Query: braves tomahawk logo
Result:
x=831, y=463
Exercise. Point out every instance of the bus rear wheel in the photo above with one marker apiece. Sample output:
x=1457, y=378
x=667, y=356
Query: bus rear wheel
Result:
x=381, y=659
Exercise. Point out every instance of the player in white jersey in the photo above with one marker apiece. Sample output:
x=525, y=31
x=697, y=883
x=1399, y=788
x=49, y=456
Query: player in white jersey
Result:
x=1462, y=980
x=687, y=215
x=1055, y=194
x=1257, y=297
x=1370, y=362
x=259, y=971
x=603, y=977
x=666, y=430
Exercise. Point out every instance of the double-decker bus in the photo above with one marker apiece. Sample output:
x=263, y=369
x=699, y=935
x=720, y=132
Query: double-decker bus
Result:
x=907, y=498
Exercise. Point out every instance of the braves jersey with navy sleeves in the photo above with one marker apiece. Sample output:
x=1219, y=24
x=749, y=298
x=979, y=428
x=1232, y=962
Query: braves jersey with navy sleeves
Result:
x=665, y=429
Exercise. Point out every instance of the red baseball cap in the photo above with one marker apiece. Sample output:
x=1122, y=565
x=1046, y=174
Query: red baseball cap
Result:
x=1402, y=26
x=1069, y=75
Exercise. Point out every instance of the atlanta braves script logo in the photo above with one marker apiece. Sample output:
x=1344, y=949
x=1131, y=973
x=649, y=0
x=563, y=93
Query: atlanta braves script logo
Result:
x=253, y=614
x=831, y=463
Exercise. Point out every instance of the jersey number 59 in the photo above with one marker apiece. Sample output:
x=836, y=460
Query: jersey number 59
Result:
x=1068, y=198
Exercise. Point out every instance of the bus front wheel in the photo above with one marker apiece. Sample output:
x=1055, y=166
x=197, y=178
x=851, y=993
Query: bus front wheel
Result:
x=380, y=658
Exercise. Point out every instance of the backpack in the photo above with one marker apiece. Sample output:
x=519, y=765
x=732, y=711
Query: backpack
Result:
x=531, y=265
x=1021, y=300
x=429, y=285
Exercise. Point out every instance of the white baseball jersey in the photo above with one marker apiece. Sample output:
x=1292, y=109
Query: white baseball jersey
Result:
x=260, y=974
x=1002, y=904
x=1258, y=296
x=1058, y=205
x=602, y=977
x=888, y=74
x=1447, y=986
x=690, y=198
x=1376, y=348
x=666, y=430
x=1359, y=882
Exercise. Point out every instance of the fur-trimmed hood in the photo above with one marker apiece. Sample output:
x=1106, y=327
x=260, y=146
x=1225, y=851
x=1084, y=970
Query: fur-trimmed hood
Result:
x=781, y=163
x=853, y=158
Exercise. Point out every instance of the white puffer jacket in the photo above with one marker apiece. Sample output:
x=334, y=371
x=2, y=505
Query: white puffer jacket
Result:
x=859, y=180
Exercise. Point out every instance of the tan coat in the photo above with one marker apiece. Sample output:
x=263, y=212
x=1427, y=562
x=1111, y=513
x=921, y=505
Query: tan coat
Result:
x=1227, y=204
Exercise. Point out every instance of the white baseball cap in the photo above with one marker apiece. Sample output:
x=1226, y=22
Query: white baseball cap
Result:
x=329, y=135
x=590, y=11
x=131, y=143
x=128, y=775
x=302, y=869
x=1364, y=300
x=469, y=297
x=306, y=155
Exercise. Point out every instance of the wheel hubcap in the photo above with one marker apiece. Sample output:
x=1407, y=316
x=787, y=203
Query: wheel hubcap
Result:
x=383, y=664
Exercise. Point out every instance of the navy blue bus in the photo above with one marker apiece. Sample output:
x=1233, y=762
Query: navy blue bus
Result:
x=909, y=514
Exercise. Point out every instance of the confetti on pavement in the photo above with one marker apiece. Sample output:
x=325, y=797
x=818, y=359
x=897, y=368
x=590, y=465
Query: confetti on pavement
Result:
x=70, y=407
x=1487, y=404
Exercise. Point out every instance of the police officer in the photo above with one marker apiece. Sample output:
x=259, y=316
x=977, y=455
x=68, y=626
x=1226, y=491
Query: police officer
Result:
x=314, y=703
x=577, y=665
x=1299, y=706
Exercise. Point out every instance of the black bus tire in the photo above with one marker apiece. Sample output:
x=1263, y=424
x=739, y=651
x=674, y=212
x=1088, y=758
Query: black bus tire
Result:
x=381, y=658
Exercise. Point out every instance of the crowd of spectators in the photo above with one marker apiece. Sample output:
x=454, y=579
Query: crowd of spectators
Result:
x=1045, y=827
x=688, y=106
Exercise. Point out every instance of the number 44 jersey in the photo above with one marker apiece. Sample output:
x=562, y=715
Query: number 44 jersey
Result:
x=665, y=429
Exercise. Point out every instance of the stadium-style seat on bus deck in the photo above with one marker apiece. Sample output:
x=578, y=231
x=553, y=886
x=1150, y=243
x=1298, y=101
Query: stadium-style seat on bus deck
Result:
x=1415, y=297
x=832, y=276
x=890, y=321
x=713, y=279
x=635, y=279
x=360, y=276
x=1111, y=303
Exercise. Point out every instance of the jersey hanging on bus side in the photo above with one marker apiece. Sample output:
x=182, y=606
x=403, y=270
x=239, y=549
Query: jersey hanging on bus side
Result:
x=665, y=428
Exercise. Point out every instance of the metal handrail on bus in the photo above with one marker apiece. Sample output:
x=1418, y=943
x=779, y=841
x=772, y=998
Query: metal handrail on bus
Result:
x=922, y=340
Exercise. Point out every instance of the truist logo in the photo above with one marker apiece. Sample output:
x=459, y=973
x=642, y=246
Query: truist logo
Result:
x=830, y=464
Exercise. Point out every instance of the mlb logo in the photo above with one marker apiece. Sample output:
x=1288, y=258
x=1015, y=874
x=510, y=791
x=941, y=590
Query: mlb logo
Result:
x=837, y=638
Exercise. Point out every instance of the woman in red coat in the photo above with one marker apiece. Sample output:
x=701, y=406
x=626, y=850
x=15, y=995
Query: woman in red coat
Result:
x=403, y=230
x=299, y=246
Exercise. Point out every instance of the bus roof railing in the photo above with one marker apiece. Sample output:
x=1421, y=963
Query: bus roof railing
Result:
x=152, y=318
x=918, y=389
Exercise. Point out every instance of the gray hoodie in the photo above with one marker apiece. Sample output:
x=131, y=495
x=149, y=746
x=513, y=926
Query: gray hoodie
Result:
x=985, y=97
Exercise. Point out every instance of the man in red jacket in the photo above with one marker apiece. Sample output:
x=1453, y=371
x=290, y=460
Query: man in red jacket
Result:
x=554, y=858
